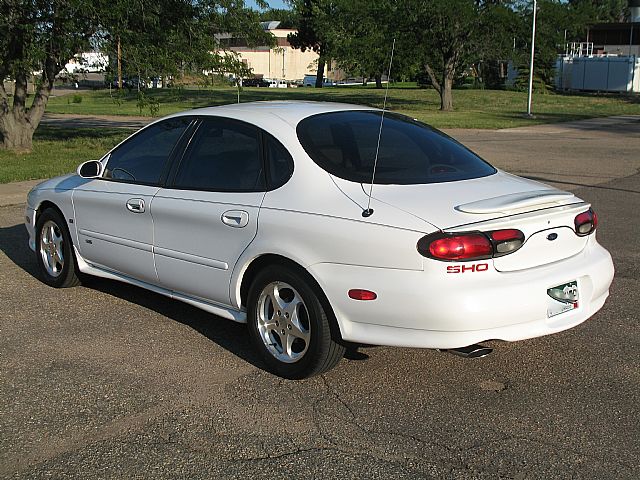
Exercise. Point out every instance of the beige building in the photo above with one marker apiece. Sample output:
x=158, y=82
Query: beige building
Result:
x=281, y=62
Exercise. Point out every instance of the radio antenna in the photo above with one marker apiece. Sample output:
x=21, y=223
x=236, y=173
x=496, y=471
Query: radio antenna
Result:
x=369, y=211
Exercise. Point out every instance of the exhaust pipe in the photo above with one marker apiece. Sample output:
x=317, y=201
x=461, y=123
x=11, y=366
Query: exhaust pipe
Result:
x=472, y=351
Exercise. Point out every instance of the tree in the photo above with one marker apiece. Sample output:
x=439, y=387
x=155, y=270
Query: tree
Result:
x=605, y=11
x=155, y=44
x=497, y=35
x=447, y=36
x=552, y=20
x=315, y=24
x=287, y=18
x=37, y=36
x=231, y=62
x=364, y=32
x=158, y=38
x=557, y=21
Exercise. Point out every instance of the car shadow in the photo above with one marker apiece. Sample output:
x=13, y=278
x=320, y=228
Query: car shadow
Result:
x=230, y=335
x=13, y=242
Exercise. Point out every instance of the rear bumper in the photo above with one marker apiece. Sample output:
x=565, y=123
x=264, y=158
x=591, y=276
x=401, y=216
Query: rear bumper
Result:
x=408, y=337
x=433, y=309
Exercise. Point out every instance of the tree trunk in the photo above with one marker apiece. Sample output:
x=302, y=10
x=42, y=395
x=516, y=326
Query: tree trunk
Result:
x=378, y=81
x=446, y=95
x=443, y=87
x=16, y=134
x=320, y=72
x=17, y=123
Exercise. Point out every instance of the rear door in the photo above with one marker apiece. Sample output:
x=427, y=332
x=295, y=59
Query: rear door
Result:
x=208, y=213
x=112, y=213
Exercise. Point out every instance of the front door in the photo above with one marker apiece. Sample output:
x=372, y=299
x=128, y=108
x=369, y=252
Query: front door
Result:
x=113, y=213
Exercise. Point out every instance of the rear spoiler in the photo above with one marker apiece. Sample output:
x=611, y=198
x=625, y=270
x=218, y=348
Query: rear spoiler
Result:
x=515, y=202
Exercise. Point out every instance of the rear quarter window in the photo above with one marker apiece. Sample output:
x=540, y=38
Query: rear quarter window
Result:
x=344, y=144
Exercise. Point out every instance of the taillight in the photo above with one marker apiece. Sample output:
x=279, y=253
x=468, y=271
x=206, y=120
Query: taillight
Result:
x=506, y=241
x=464, y=246
x=471, y=245
x=586, y=222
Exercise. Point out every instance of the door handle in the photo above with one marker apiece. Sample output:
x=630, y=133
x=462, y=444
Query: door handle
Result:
x=235, y=218
x=135, y=205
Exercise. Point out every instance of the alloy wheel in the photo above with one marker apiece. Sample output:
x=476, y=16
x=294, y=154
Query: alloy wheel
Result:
x=52, y=248
x=283, y=322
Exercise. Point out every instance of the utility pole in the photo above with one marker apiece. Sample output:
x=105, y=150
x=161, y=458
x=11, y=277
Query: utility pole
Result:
x=533, y=46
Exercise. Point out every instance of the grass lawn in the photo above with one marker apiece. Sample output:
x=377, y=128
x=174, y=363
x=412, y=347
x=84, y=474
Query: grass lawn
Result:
x=473, y=108
x=57, y=151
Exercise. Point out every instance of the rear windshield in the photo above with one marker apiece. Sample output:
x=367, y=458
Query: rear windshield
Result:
x=344, y=144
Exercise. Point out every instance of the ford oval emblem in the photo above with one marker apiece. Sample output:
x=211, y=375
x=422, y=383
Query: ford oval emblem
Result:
x=552, y=236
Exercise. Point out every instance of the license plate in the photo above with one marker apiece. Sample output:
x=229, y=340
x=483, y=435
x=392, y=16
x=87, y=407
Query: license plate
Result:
x=562, y=298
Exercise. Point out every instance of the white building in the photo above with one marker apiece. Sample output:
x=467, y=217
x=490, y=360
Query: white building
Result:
x=88, y=62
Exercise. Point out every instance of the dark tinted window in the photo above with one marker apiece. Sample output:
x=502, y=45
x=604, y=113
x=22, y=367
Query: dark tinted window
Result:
x=344, y=144
x=224, y=156
x=142, y=158
x=280, y=162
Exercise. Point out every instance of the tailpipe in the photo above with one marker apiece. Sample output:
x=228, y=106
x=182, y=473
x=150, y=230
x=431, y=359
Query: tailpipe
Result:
x=472, y=351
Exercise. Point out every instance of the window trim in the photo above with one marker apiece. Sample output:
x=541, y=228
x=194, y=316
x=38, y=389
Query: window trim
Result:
x=175, y=152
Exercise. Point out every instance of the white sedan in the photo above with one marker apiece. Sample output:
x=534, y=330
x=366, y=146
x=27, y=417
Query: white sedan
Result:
x=273, y=214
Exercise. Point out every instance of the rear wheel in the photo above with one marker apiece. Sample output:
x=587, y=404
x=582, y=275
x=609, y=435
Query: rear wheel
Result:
x=289, y=325
x=54, y=251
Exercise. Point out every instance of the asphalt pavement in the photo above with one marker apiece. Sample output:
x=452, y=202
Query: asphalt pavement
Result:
x=111, y=381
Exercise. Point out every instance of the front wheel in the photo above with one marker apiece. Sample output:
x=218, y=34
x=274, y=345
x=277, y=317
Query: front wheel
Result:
x=54, y=250
x=289, y=325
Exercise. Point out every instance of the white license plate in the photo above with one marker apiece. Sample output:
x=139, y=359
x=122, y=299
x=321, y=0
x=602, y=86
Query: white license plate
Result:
x=562, y=298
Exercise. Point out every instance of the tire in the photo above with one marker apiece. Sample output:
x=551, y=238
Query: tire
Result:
x=54, y=251
x=285, y=310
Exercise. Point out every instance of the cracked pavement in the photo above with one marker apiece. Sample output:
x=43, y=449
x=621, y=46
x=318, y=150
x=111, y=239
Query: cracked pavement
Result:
x=111, y=381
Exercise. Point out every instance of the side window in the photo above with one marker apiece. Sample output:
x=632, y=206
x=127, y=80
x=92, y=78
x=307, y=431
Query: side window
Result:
x=142, y=158
x=224, y=156
x=279, y=161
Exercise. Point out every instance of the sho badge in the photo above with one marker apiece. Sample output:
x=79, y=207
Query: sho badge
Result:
x=476, y=267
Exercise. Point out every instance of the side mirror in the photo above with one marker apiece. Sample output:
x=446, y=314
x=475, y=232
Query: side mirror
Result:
x=90, y=169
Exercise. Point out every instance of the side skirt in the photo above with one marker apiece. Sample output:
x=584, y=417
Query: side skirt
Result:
x=217, y=309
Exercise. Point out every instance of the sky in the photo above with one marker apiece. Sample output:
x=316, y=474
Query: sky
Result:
x=272, y=4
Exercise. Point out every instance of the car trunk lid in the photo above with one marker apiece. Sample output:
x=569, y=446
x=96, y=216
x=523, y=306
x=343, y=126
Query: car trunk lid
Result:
x=452, y=204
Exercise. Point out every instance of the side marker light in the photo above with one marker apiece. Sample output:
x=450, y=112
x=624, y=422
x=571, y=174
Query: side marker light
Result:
x=360, y=294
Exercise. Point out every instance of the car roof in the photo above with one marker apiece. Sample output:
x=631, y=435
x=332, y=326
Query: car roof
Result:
x=291, y=111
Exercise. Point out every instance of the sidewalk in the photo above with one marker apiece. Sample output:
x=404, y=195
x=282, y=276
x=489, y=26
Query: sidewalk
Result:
x=66, y=120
